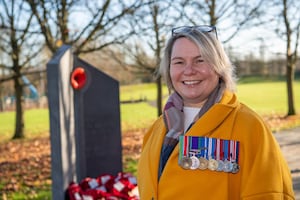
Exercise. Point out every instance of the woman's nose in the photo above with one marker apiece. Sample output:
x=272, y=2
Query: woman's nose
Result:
x=189, y=68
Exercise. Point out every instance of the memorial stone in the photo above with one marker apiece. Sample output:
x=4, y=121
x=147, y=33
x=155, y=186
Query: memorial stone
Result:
x=84, y=111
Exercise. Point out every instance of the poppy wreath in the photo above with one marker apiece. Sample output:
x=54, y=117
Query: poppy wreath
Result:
x=105, y=187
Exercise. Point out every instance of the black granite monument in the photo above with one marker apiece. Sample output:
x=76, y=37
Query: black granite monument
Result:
x=84, y=121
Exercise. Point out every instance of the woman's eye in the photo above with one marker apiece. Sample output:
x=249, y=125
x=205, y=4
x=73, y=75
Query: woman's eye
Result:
x=200, y=61
x=178, y=63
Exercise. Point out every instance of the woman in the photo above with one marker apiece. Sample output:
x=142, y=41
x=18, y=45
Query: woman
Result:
x=208, y=145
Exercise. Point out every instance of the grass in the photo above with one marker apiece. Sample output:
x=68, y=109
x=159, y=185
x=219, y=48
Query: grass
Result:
x=268, y=97
x=36, y=123
x=137, y=116
x=265, y=97
x=40, y=195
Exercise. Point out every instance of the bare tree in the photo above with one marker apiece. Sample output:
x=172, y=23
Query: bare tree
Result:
x=231, y=16
x=151, y=24
x=289, y=29
x=86, y=25
x=19, y=46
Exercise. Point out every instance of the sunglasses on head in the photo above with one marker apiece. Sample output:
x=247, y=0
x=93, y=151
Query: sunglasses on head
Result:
x=201, y=28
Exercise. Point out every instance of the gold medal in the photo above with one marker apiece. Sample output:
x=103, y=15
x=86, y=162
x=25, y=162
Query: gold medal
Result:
x=212, y=164
x=186, y=163
x=195, y=162
x=203, y=163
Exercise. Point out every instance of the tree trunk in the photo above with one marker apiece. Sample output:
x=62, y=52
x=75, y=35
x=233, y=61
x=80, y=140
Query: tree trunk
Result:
x=290, y=80
x=19, y=126
x=159, y=96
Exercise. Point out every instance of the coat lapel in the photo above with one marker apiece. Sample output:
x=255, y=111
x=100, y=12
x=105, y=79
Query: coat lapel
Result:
x=214, y=116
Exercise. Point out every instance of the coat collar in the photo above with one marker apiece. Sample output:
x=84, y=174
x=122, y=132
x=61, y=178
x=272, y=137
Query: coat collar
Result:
x=215, y=115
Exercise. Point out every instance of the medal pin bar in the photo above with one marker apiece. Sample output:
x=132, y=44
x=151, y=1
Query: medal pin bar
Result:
x=209, y=153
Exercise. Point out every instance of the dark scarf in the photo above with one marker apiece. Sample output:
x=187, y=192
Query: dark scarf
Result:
x=174, y=121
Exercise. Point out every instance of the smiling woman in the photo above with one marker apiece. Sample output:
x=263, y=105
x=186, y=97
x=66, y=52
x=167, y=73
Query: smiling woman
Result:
x=207, y=141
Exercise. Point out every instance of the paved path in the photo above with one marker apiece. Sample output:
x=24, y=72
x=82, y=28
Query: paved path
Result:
x=289, y=142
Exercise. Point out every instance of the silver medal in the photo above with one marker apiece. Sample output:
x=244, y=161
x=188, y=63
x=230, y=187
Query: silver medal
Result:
x=228, y=166
x=185, y=163
x=220, y=165
x=195, y=162
x=235, y=168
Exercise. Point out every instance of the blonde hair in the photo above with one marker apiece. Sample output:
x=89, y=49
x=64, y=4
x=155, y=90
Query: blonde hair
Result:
x=212, y=52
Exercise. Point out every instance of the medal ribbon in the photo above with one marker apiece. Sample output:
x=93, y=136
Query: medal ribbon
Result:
x=209, y=147
x=218, y=149
x=226, y=149
x=206, y=147
x=195, y=147
x=180, y=147
x=237, y=151
x=221, y=150
x=213, y=148
x=186, y=146
x=231, y=150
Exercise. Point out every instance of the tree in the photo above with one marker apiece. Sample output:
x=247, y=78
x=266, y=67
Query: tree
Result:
x=291, y=20
x=151, y=24
x=86, y=25
x=230, y=16
x=18, y=49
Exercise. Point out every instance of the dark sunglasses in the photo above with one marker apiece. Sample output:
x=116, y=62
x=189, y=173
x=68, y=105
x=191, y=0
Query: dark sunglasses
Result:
x=201, y=28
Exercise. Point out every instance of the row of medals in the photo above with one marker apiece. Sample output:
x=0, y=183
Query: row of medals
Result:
x=202, y=163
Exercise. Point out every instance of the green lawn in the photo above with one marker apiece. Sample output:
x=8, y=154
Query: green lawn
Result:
x=268, y=97
x=264, y=97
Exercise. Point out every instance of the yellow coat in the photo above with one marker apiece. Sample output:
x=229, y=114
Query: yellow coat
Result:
x=263, y=175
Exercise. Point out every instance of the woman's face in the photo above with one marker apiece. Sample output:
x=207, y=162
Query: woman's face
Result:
x=191, y=76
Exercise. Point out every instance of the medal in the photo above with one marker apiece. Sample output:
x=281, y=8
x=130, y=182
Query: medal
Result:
x=195, y=162
x=203, y=163
x=194, y=150
x=235, y=168
x=228, y=166
x=185, y=163
x=220, y=166
x=212, y=164
x=234, y=148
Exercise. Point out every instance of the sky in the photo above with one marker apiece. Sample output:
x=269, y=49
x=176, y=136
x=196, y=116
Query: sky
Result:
x=254, y=40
